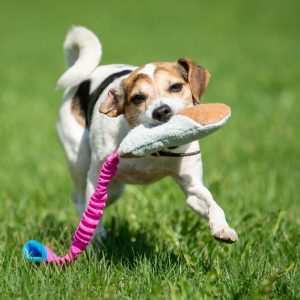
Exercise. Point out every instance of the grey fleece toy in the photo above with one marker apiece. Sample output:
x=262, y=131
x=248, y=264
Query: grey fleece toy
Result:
x=188, y=125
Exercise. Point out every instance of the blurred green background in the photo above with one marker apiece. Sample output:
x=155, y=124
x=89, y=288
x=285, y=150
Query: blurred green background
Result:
x=156, y=247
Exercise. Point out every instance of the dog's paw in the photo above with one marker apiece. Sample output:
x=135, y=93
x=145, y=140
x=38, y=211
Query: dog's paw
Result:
x=226, y=235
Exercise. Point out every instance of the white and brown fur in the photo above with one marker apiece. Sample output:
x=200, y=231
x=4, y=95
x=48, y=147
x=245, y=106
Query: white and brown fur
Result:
x=124, y=103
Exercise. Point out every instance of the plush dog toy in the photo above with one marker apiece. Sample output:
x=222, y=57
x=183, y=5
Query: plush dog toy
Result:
x=187, y=126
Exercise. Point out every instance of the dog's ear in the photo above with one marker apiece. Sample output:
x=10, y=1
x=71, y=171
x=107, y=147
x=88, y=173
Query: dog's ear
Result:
x=112, y=106
x=197, y=77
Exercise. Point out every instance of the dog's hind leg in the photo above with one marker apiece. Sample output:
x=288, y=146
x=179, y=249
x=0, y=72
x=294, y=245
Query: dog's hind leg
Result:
x=75, y=141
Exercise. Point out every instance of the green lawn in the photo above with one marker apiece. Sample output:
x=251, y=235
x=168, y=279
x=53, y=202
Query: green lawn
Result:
x=157, y=248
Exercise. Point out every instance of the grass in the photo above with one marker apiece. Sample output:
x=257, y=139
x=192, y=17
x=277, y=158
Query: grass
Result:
x=157, y=248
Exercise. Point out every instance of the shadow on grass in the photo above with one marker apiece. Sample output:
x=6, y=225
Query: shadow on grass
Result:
x=126, y=245
x=123, y=244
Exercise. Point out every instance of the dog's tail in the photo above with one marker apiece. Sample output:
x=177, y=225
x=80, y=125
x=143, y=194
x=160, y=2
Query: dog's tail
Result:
x=82, y=54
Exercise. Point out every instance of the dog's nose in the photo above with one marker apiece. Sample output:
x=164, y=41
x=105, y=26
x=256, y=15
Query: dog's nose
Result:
x=162, y=113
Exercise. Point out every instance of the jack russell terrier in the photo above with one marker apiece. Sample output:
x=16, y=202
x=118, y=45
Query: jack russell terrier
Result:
x=101, y=105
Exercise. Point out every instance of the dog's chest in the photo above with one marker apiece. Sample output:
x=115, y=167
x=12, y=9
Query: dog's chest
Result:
x=146, y=170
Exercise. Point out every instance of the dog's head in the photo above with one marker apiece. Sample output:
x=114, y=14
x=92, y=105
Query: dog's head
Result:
x=155, y=92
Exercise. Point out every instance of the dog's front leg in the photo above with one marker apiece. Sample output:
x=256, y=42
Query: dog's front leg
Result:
x=201, y=200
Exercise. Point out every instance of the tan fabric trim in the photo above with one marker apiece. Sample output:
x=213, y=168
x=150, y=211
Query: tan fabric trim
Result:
x=206, y=114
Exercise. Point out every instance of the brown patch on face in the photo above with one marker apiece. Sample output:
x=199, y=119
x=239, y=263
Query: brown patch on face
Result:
x=137, y=84
x=172, y=69
x=131, y=82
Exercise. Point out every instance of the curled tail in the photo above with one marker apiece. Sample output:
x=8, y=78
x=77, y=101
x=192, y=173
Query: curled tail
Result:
x=82, y=54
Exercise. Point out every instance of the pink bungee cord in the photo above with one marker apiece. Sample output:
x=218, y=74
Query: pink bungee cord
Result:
x=36, y=252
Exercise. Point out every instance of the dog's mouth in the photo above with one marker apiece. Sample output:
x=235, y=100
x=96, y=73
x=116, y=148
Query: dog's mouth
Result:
x=169, y=153
x=159, y=115
x=163, y=153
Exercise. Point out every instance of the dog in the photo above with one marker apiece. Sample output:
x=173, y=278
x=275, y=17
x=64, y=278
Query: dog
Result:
x=100, y=106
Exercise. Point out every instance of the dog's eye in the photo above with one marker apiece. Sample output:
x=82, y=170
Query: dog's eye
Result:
x=137, y=98
x=175, y=88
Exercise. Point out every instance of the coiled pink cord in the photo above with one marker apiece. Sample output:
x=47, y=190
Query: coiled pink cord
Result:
x=92, y=214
